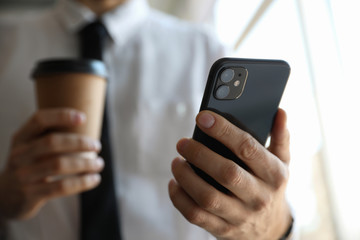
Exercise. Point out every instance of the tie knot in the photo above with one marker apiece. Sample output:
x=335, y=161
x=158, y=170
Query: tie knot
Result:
x=95, y=28
x=92, y=38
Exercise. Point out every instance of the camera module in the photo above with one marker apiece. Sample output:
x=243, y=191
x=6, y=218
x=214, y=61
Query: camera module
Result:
x=230, y=83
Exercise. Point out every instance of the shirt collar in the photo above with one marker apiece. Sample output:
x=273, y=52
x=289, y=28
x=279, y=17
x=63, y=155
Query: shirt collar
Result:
x=120, y=22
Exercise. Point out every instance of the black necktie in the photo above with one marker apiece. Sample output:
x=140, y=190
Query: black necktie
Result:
x=99, y=215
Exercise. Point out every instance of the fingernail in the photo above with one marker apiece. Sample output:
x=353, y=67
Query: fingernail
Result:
x=205, y=120
x=172, y=187
x=182, y=144
x=94, y=144
x=78, y=117
x=175, y=162
x=172, y=182
x=99, y=162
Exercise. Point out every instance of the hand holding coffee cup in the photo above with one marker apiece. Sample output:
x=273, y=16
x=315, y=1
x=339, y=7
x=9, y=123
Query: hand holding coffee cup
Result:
x=77, y=84
x=54, y=153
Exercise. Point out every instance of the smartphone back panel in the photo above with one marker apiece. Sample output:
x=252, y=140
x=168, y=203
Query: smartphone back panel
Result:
x=253, y=110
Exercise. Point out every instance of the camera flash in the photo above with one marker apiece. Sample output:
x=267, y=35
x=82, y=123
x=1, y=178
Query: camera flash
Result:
x=237, y=83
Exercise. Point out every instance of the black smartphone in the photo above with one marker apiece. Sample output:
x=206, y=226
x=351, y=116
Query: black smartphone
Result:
x=247, y=92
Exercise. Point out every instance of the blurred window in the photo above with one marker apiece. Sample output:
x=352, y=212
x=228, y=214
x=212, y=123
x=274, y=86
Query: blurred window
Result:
x=320, y=40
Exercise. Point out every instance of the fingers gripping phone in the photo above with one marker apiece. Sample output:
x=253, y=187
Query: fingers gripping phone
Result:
x=247, y=92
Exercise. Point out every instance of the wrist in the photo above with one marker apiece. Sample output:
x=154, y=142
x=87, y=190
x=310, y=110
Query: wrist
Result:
x=284, y=221
x=288, y=234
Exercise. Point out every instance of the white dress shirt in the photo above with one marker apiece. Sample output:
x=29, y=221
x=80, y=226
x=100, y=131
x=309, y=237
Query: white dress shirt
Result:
x=158, y=69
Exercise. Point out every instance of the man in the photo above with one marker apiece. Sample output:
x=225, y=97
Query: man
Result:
x=158, y=66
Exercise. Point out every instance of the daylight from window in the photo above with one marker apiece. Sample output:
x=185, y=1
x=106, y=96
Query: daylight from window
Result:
x=320, y=41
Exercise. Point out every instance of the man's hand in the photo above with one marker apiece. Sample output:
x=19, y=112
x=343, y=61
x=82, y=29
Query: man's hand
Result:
x=256, y=207
x=45, y=164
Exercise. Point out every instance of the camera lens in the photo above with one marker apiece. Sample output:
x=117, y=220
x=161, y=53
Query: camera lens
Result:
x=227, y=75
x=222, y=92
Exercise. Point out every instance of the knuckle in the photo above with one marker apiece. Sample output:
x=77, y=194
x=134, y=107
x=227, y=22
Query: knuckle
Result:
x=197, y=152
x=210, y=202
x=261, y=203
x=77, y=164
x=281, y=178
x=232, y=175
x=60, y=164
x=224, y=231
x=38, y=120
x=62, y=186
x=196, y=217
x=248, y=148
x=83, y=142
x=51, y=141
x=225, y=131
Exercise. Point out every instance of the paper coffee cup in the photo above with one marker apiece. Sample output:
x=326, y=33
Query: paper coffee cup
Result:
x=78, y=84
